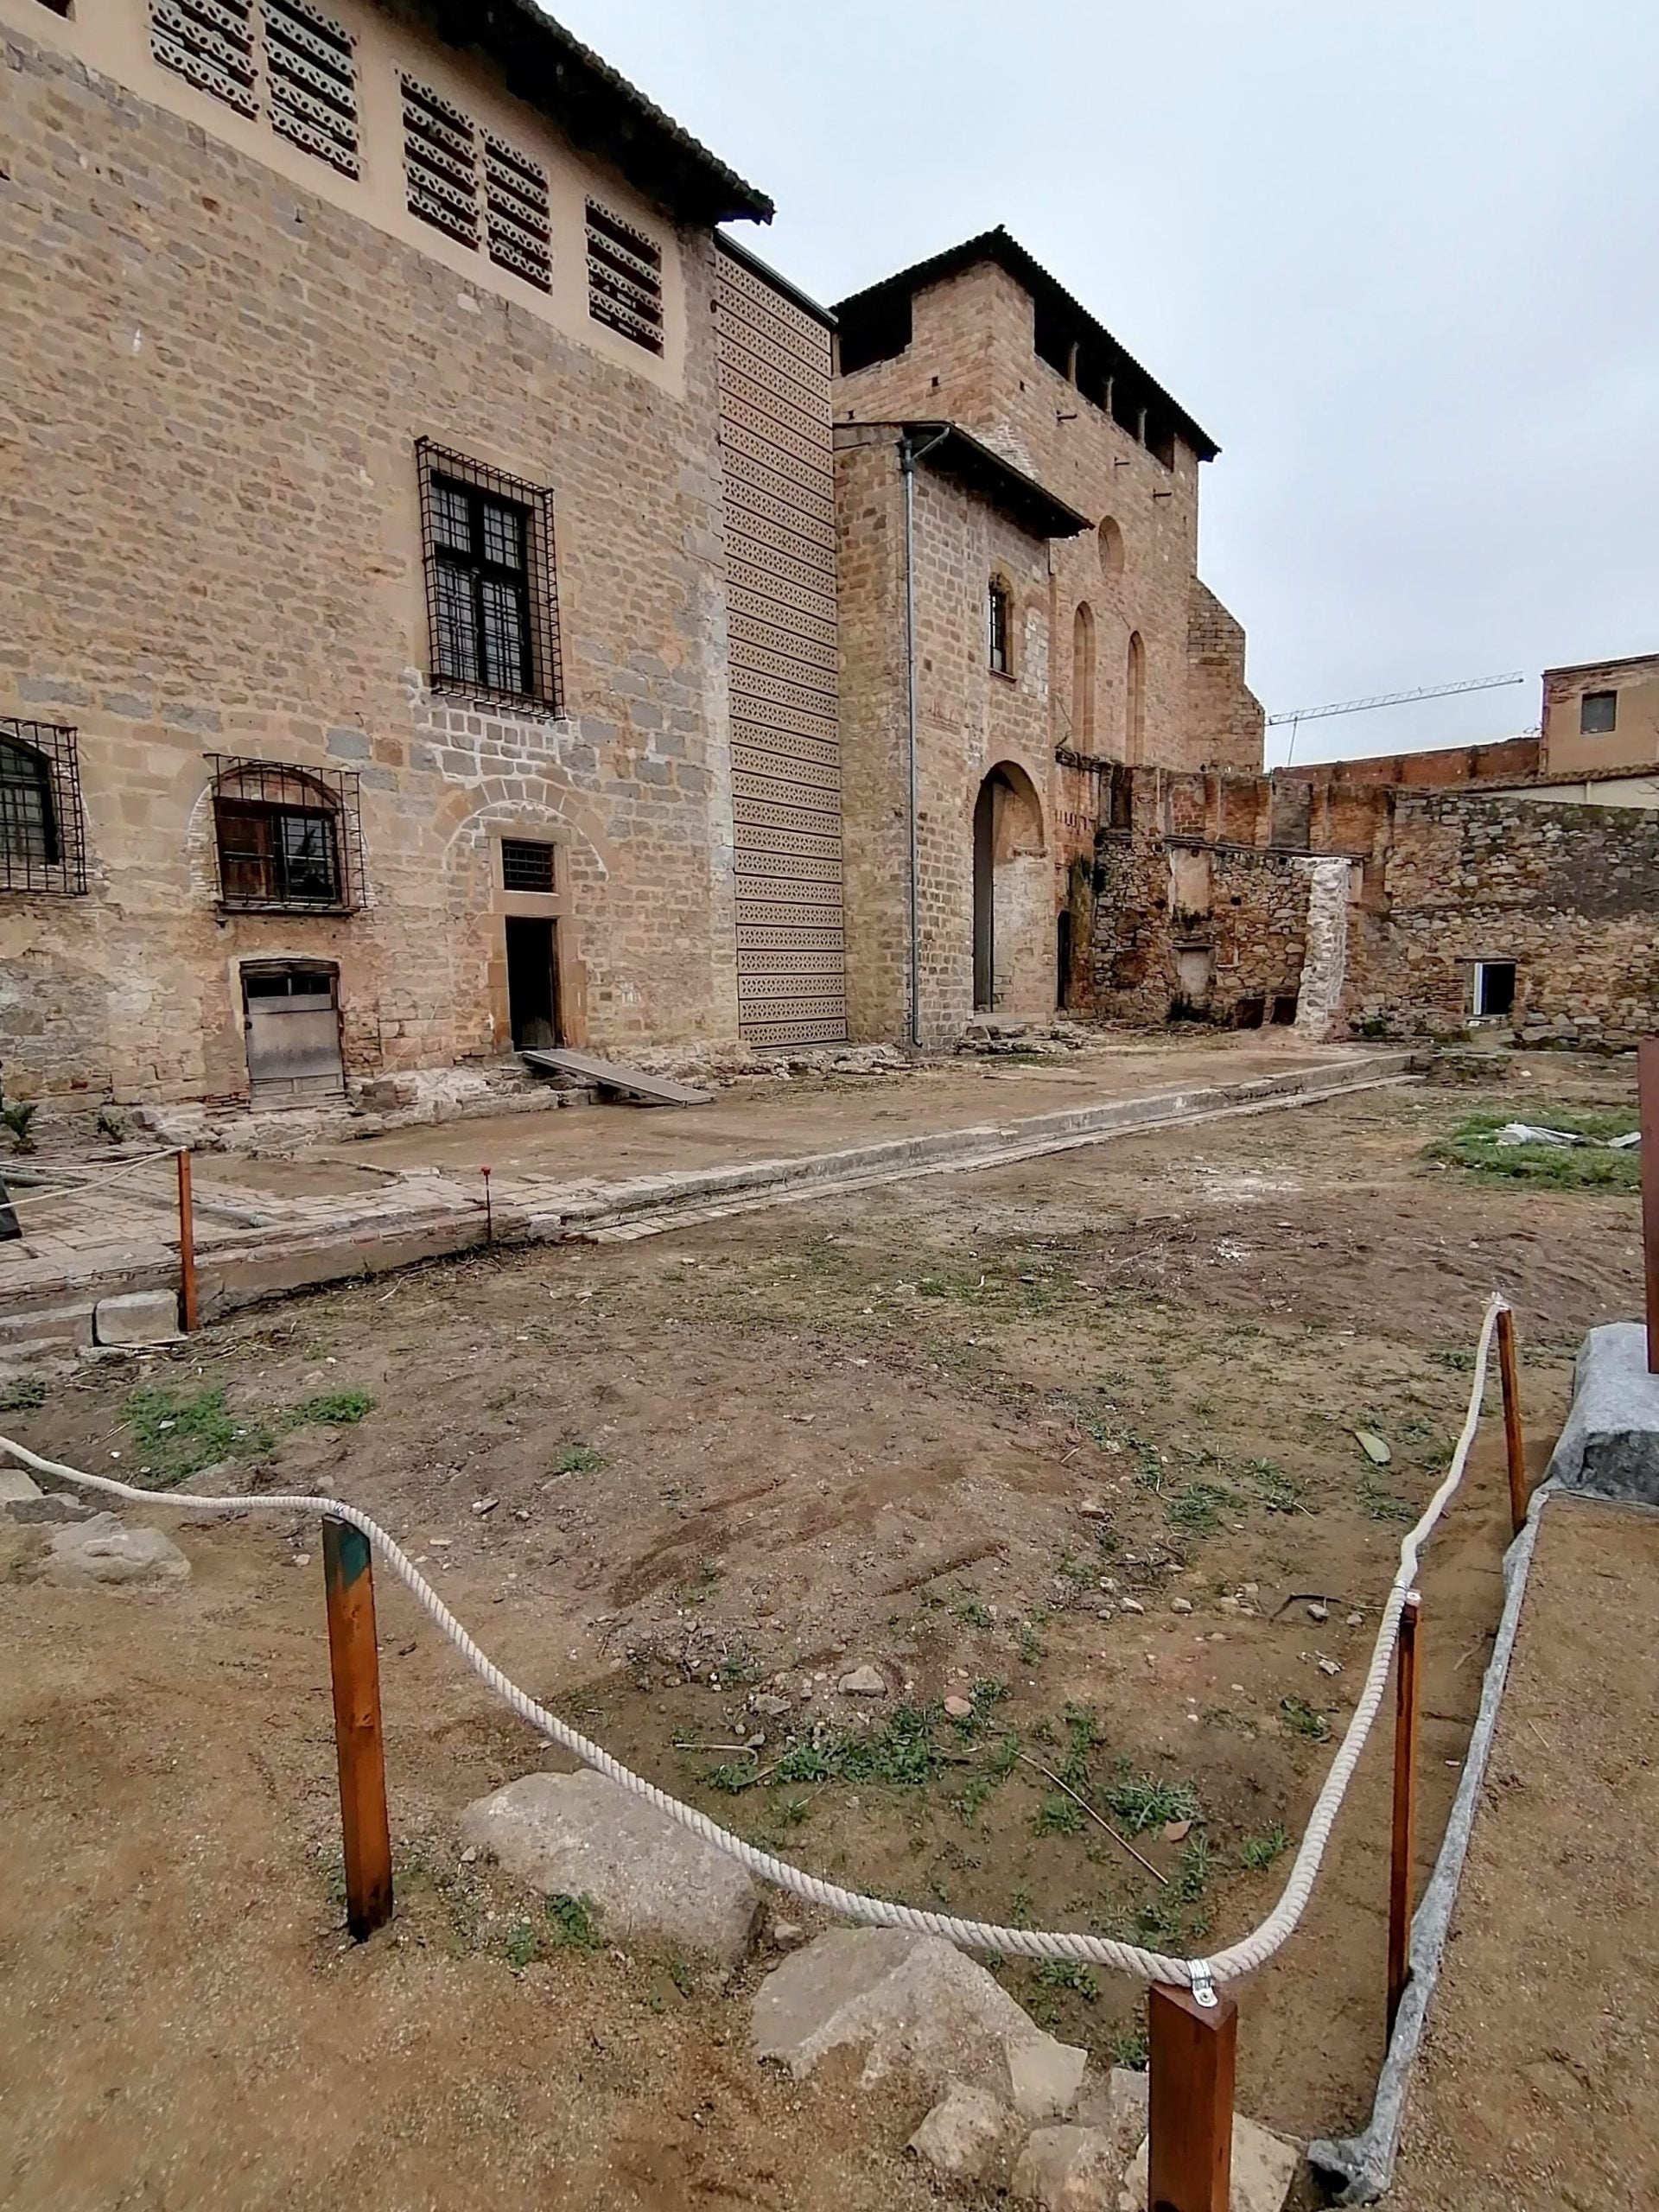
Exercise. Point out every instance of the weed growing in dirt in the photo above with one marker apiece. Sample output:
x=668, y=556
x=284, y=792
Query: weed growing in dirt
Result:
x=1027, y=1638
x=1130, y=2048
x=901, y=1750
x=1257, y=1853
x=25, y=1394
x=970, y=1608
x=1057, y=1816
x=1378, y=1504
x=573, y=1923
x=1195, y=1508
x=1473, y=1146
x=181, y=1432
x=738, y=1666
x=1303, y=1720
x=1068, y=1975
x=577, y=1459
x=1279, y=1491
x=1143, y=1801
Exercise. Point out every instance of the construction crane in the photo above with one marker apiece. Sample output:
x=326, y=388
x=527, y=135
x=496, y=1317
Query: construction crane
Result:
x=1389, y=699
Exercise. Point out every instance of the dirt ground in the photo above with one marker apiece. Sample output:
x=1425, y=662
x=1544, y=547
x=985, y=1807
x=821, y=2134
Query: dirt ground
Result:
x=1526, y=2095
x=1073, y=1441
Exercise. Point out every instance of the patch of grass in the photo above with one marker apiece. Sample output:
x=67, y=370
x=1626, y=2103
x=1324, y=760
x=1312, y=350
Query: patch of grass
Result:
x=1143, y=1801
x=1257, y=1853
x=572, y=1923
x=970, y=1608
x=1278, y=1491
x=1195, y=1508
x=332, y=1408
x=1192, y=1875
x=1129, y=2047
x=901, y=1751
x=180, y=1432
x=1473, y=1146
x=1027, y=1638
x=522, y=1945
x=1378, y=1503
x=739, y=1665
x=24, y=1394
x=1303, y=1719
x=1066, y=1975
x=1057, y=1816
x=577, y=1459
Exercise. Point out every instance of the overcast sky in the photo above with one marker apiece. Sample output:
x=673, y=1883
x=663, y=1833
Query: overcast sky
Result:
x=1401, y=261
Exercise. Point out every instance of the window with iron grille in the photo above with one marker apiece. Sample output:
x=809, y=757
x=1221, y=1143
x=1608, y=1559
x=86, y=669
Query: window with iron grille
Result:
x=491, y=598
x=289, y=840
x=526, y=867
x=516, y=207
x=625, y=278
x=439, y=163
x=210, y=43
x=997, y=626
x=42, y=837
x=311, y=70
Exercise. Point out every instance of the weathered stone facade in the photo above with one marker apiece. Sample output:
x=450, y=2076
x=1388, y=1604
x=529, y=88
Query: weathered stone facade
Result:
x=220, y=356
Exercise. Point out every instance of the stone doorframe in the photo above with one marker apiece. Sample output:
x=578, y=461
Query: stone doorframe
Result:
x=557, y=906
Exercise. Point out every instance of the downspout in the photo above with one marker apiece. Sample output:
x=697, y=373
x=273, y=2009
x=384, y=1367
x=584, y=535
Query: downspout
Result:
x=910, y=452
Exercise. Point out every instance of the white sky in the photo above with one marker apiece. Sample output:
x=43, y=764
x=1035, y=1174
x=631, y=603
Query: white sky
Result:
x=1400, y=260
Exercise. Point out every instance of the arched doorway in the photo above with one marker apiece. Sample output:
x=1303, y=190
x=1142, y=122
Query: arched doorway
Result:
x=1012, y=901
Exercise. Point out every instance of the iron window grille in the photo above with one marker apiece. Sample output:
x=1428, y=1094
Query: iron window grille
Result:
x=526, y=867
x=43, y=831
x=625, y=278
x=997, y=612
x=288, y=840
x=491, y=593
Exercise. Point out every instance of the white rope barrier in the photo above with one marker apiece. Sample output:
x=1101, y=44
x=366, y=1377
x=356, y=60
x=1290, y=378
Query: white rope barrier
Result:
x=1241, y=1958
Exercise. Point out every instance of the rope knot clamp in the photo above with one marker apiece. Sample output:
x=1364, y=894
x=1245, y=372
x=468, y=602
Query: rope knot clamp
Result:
x=1203, y=1983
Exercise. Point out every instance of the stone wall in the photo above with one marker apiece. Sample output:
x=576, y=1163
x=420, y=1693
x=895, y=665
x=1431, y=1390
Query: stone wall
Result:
x=215, y=381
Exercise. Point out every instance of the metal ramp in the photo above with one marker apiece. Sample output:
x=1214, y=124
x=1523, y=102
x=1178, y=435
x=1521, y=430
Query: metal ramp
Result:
x=607, y=1076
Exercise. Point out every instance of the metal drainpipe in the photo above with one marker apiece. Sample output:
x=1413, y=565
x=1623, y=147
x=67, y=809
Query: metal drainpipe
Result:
x=909, y=453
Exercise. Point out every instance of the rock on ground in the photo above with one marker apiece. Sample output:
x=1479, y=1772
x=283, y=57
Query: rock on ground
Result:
x=581, y=1836
x=970, y=2137
x=15, y=1484
x=1071, y=2170
x=136, y=1317
x=1610, y=1445
x=102, y=1550
x=914, y=2003
x=1264, y=2166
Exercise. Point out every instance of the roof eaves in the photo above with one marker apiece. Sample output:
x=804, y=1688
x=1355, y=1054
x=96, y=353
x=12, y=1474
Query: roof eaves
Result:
x=597, y=108
x=1031, y=504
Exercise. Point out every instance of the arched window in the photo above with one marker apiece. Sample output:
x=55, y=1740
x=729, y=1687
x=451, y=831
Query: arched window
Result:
x=286, y=836
x=1083, y=677
x=29, y=814
x=1109, y=538
x=1135, y=724
x=999, y=624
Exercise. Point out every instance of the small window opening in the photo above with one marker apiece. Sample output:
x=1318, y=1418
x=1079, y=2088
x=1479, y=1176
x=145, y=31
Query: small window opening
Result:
x=526, y=867
x=1284, y=1009
x=1494, y=989
x=1248, y=1012
x=998, y=613
x=1599, y=714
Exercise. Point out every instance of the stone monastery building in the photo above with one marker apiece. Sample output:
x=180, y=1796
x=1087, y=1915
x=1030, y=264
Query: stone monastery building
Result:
x=458, y=599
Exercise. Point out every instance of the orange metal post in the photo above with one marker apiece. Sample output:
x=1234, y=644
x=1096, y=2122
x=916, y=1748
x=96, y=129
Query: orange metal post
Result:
x=186, y=1247
x=1190, y=2120
x=348, y=1580
x=1405, y=1805
x=1514, y=1443
x=1646, y=1082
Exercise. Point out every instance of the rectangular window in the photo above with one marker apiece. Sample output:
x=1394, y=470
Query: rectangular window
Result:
x=311, y=68
x=492, y=600
x=1494, y=989
x=1599, y=714
x=625, y=278
x=526, y=867
x=210, y=44
x=42, y=845
x=439, y=163
x=516, y=207
x=287, y=838
x=998, y=627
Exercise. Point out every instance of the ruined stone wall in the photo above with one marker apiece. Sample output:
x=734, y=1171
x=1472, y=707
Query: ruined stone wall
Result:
x=971, y=360
x=1569, y=892
x=215, y=382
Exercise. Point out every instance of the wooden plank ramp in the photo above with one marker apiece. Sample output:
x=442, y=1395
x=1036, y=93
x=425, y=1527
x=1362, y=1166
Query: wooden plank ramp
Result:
x=624, y=1082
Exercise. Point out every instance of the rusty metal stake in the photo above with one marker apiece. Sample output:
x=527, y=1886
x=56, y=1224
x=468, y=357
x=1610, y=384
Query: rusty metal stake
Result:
x=1194, y=2048
x=355, y=1662
x=187, y=1310
x=1514, y=1442
x=1405, y=1805
x=1646, y=1086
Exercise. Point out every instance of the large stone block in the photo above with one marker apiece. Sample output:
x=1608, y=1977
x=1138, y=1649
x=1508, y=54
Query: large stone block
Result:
x=104, y=1550
x=915, y=2004
x=137, y=1316
x=1610, y=1445
x=580, y=1836
x=1264, y=2166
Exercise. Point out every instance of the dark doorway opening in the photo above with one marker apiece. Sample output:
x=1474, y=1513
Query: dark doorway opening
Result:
x=985, y=896
x=1063, y=958
x=532, y=985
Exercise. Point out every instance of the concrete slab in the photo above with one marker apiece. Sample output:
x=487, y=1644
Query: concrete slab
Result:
x=137, y=1316
x=1610, y=1447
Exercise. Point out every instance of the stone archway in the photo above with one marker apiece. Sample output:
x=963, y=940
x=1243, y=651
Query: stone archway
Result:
x=1014, y=926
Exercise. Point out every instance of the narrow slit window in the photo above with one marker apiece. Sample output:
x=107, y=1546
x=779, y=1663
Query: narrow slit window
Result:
x=999, y=627
x=625, y=278
x=311, y=69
